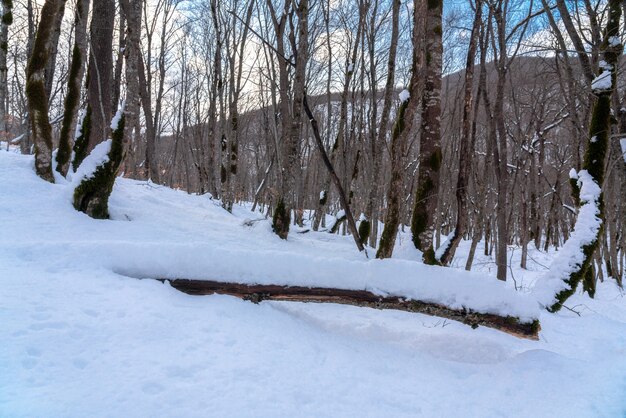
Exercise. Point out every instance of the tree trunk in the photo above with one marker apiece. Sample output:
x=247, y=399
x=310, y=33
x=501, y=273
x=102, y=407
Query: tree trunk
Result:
x=52, y=58
x=74, y=82
x=36, y=91
x=132, y=50
x=7, y=19
x=595, y=156
x=100, y=71
x=92, y=194
x=424, y=212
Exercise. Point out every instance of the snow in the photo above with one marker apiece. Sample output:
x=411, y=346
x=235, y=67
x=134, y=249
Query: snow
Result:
x=602, y=82
x=404, y=95
x=623, y=144
x=614, y=41
x=340, y=214
x=570, y=256
x=97, y=157
x=79, y=337
x=118, y=116
x=79, y=124
x=444, y=246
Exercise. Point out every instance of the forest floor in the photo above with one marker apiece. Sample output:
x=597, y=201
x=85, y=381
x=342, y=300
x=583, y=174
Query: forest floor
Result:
x=79, y=336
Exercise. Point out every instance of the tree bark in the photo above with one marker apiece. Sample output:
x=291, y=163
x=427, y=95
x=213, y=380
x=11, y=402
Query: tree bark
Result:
x=132, y=50
x=259, y=293
x=74, y=82
x=54, y=45
x=424, y=212
x=91, y=196
x=100, y=71
x=595, y=156
x=36, y=90
x=7, y=20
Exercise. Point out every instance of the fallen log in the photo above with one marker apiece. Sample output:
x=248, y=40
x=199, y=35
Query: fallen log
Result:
x=257, y=293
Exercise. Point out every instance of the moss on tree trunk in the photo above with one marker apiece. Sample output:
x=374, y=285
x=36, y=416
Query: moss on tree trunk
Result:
x=75, y=78
x=92, y=194
x=595, y=155
x=36, y=91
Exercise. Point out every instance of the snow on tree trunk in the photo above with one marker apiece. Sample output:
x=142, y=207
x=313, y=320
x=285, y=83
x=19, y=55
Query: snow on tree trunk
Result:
x=574, y=262
x=96, y=175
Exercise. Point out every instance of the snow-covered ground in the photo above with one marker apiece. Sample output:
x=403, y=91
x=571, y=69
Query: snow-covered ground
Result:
x=80, y=337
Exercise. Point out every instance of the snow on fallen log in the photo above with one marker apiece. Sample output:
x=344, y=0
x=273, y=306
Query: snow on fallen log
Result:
x=258, y=293
x=454, y=289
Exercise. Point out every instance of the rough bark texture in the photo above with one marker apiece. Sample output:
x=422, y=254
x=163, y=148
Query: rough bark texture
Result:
x=7, y=20
x=132, y=11
x=92, y=195
x=258, y=293
x=595, y=156
x=36, y=91
x=74, y=82
x=100, y=71
x=52, y=58
x=423, y=220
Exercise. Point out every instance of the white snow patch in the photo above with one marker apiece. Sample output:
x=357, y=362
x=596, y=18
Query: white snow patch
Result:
x=118, y=116
x=404, y=95
x=444, y=246
x=614, y=41
x=570, y=256
x=97, y=157
x=602, y=82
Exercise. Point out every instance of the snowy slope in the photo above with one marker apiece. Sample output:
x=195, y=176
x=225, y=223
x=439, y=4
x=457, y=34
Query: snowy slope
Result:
x=161, y=233
x=80, y=338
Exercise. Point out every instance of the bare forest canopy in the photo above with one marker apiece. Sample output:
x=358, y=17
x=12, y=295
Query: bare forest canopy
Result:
x=475, y=120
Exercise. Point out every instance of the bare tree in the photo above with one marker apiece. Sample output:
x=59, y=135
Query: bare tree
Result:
x=74, y=82
x=36, y=91
x=423, y=220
